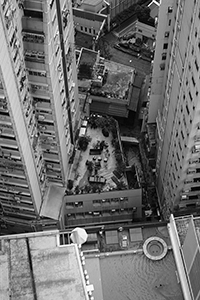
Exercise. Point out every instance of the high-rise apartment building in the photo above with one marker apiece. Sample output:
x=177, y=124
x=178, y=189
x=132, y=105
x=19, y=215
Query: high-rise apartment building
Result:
x=39, y=106
x=175, y=105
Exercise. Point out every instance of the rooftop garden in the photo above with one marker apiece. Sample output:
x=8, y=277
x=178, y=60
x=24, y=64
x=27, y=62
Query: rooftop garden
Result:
x=101, y=163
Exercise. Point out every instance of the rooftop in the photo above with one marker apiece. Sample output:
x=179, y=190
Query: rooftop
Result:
x=92, y=2
x=34, y=266
x=107, y=79
x=129, y=274
x=182, y=224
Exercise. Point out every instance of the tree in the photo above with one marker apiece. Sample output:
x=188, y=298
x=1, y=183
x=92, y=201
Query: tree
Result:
x=105, y=132
x=90, y=166
x=83, y=142
x=70, y=184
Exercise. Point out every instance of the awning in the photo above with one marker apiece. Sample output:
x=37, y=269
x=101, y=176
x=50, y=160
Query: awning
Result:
x=52, y=204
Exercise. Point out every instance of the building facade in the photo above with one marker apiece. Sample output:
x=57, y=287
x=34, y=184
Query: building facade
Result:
x=39, y=108
x=174, y=105
x=103, y=208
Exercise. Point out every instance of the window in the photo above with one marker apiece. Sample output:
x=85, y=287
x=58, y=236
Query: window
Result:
x=166, y=34
x=162, y=66
x=51, y=4
x=57, y=50
x=35, y=87
x=193, y=81
x=170, y=9
x=90, y=30
x=37, y=73
x=85, y=29
x=32, y=55
x=94, y=31
x=187, y=109
x=33, y=37
x=97, y=202
x=196, y=65
x=165, y=46
x=164, y=56
x=190, y=95
x=82, y=28
x=169, y=23
x=33, y=14
x=182, y=134
x=177, y=156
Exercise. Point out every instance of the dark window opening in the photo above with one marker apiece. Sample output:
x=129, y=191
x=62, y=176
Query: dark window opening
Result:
x=193, y=81
x=196, y=65
x=33, y=14
x=165, y=46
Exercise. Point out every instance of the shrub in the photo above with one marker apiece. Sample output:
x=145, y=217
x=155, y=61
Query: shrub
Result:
x=102, y=145
x=105, y=132
x=77, y=190
x=83, y=142
x=90, y=166
x=70, y=184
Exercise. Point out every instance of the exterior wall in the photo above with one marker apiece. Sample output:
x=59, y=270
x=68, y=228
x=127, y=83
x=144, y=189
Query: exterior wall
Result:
x=106, y=207
x=178, y=114
x=40, y=96
x=160, y=65
x=87, y=26
x=142, y=29
x=87, y=22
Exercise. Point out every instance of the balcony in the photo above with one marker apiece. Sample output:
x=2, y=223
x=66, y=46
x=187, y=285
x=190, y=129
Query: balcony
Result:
x=52, y=158
x=14, y=181
x=65, y=16
x=6, y=143
x=33, y=37
x=34, y=56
